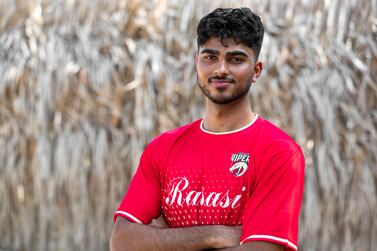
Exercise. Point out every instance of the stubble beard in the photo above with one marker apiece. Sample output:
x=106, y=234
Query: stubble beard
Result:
x=224, y=99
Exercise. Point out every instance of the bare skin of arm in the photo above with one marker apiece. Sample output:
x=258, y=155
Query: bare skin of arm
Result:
x=133, y=236
x=256, y=246
x=249, y=246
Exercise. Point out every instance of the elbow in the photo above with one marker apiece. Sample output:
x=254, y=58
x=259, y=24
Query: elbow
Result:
x=115, y=240
x=118, y=240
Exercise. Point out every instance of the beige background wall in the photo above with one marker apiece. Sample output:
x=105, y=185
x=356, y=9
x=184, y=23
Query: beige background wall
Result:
x=84, y=85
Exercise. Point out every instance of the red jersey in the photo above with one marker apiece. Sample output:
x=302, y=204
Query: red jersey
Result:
x=251, y=177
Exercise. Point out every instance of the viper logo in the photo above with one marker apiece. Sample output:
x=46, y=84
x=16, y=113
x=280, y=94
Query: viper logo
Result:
x=240, y=163
x=238, y=169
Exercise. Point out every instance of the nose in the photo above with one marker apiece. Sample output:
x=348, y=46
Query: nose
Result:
x=221, y=69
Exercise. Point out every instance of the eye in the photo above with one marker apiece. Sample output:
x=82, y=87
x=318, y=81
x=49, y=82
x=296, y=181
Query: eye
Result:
x=236, y=60
x=209, y=57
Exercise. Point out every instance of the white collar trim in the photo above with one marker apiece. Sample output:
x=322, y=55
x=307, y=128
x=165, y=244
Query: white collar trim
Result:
x=228, y=132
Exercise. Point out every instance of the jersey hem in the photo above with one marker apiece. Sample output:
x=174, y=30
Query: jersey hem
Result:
x=128, y=216
x=262, y=237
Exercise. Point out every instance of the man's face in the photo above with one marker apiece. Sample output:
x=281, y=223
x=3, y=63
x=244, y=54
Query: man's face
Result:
x=225, y=74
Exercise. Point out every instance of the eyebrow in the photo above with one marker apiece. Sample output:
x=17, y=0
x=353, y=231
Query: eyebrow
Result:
x=237, y=53
x=210, y=51
x=231, y=53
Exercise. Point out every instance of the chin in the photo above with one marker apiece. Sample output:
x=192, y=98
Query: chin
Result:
x=222, y=100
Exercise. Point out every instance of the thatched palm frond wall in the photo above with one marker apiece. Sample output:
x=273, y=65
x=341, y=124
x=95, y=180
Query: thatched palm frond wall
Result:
x=84, y=85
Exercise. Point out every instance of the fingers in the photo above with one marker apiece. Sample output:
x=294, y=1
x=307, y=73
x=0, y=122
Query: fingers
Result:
x=159, y=222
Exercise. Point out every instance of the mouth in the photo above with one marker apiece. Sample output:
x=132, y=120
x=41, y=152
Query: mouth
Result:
x=220, y=83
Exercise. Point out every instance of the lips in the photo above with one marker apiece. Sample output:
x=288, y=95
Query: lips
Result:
x=220, y=83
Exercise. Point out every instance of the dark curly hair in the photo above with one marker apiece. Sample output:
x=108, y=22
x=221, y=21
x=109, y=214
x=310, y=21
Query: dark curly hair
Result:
x=241, y=24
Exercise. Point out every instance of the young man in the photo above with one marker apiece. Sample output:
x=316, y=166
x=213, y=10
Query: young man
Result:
x=231, y=180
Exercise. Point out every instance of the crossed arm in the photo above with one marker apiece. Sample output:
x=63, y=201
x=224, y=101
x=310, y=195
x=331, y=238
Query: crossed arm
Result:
x=156, y=236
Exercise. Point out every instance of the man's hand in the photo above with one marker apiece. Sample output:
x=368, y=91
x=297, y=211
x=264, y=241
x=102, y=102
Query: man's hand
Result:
x=158, y=236
x=227, y=236
x=159, y=222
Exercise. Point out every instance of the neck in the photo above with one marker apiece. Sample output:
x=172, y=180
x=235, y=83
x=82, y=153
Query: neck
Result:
x=228, y=117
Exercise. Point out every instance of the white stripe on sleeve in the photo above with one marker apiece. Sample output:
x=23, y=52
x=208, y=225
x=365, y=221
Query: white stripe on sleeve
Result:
x=129, y=215
x=270, y=237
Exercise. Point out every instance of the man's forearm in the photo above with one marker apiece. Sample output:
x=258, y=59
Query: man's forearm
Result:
x=255, y=246
x=133, y=236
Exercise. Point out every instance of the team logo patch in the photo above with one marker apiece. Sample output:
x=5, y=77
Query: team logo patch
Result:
x=240, y=163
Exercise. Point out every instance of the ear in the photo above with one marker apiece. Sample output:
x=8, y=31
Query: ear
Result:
x=257, y=71
x=196, y=60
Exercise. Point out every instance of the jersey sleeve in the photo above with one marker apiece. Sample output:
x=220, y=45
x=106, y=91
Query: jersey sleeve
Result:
x=142, y=202
x=272, y=211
